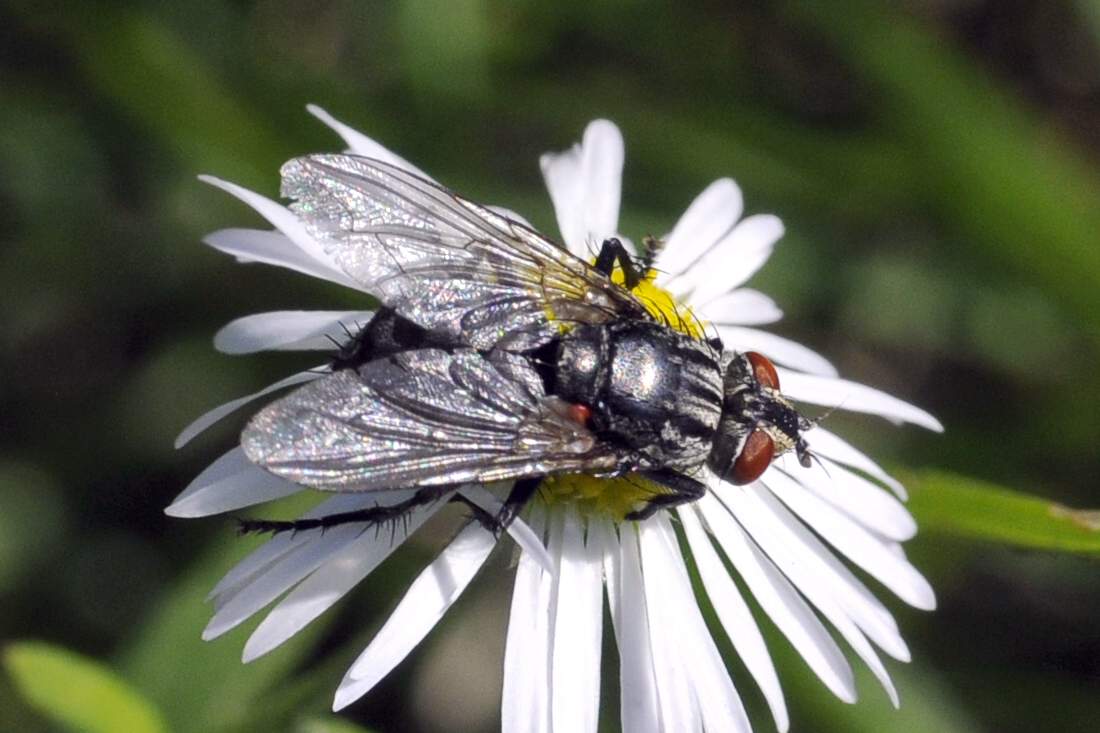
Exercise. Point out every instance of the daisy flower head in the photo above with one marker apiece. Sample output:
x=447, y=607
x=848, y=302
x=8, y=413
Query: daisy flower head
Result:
x=790, y=534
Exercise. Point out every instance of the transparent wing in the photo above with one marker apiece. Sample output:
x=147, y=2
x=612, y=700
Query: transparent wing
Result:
x=421, y=418
x=448, y=264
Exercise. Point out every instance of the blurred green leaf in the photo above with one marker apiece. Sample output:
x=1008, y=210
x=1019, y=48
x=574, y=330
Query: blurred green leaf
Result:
x=945, y=502
x=329, y=725
x=172, y=91
x=445, y=49
x=78, y=692
x=33, y=518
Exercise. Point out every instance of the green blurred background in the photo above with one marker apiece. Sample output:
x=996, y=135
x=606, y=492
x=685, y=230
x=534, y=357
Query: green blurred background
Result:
x=938, y=167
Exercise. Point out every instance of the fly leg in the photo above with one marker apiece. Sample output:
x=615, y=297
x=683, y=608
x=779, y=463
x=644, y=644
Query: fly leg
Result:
x=682, y=489
x=372, y=516
x=611, y=252
x=521, y=493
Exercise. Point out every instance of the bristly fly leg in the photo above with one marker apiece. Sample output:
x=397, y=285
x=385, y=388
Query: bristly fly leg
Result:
x=682, y=489
x=611, y=252
x=375, y=516
x=371, y=516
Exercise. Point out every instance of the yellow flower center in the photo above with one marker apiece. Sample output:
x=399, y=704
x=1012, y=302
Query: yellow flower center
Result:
x=616, y=497
x=662, y=305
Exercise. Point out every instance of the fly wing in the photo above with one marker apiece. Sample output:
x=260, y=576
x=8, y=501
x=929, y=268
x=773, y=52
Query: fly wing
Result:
x=421, y=418
x=444, y=262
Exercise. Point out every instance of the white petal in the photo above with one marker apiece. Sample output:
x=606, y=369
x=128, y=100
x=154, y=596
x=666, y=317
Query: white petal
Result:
x=686, y=632
x=562, y=174
x=707, y=220
x=277, y=579
x=289, y=331
x=744, y=307
x=780, y=601
x=231, y=482
x=328, y=584
x=863, y=501
x=525, y=701
x=259, y=561
x=280, y=217
x=638, y=685
x=273, y=248
x=675, y=695
x=735, y=616
x=853, y=397
x=603, y=541
x=730, y=262
x=271, y=551
x=517, y=530
x=776, y=348
x=811, y=566
x=603, y=172
x=228, y=408
x=360, y=144
x=743, y=252
x=857, y=544
x=585, y=186
x=230, y=464
x=578, y=630
x=814, y=587
x=428, y=598
x=830, y=445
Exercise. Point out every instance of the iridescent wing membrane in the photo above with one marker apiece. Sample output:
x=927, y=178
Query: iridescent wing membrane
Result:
x=445, y=263
x=433, y=417
x=421, y=418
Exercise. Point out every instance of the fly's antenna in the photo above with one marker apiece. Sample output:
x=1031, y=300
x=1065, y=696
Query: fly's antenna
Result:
x=825, y=415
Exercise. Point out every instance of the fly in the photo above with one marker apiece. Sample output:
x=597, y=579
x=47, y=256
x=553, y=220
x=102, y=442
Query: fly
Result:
x=499, y=356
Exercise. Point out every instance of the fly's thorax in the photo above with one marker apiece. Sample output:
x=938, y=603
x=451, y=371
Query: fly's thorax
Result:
x=582, y=365
x=651, y=389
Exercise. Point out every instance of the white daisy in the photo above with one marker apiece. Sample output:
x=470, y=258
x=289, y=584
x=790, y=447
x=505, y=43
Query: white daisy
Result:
x=780, y=533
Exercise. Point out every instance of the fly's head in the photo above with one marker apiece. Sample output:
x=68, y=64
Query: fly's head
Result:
x=757, y=422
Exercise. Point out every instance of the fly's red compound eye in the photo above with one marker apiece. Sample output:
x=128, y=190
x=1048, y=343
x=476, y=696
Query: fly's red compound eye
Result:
x=764, y=370
x=754, y=458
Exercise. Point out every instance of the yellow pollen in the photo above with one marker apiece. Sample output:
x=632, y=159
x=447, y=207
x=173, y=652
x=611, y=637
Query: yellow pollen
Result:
x=662, y=305
x=594, y=496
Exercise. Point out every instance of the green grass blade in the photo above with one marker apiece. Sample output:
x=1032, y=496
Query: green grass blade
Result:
x=966, y=507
